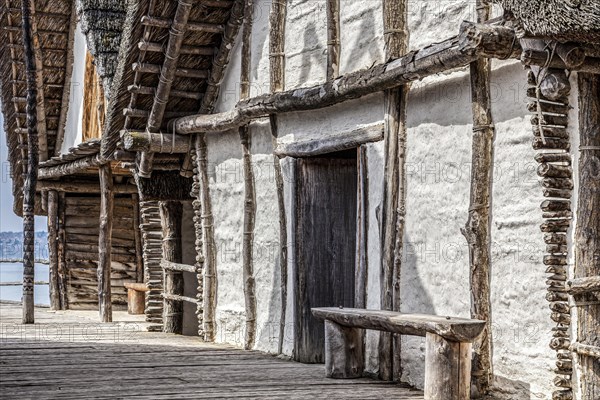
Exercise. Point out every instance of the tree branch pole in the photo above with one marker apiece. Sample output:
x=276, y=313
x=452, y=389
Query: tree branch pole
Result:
x=477, y=228
x=587, y=232
x=430, y=60
x=105, y=243
x=277, y=82
x=32, y=166
x=249, y=191
x=394, y=193
x=170, y=216
x=53, y=249
x=333, y=39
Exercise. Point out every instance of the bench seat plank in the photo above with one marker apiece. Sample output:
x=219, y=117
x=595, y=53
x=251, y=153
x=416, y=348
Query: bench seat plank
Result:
x=450, y=328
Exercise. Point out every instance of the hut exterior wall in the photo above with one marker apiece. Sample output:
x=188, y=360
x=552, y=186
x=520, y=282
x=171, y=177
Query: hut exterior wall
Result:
x=81, y=230
x=73, y=126
x=435, y=276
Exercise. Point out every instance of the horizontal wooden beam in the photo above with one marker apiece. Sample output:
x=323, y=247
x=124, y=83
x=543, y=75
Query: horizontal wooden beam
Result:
x=24, y=100
x=181, y=72
x=193, y=50
x=583, y=285
x=586, y=350
x=155, y=142
x=69, y=168
x=176, y=297
x=191, y=26
x=149, y=90
x=430, y=60
x=331, y=143
x=82, y=187
x=176, y=267
x=137, y=113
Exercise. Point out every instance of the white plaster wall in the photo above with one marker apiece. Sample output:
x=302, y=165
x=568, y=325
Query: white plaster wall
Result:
x=435, y=270
x=73, y=129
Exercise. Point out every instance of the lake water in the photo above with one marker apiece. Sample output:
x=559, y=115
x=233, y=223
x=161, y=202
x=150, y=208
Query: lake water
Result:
x=13, y=272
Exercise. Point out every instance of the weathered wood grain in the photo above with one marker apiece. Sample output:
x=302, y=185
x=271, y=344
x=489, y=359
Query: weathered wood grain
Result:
x=450, y=328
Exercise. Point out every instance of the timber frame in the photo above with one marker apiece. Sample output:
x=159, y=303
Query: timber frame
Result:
x=153, y=155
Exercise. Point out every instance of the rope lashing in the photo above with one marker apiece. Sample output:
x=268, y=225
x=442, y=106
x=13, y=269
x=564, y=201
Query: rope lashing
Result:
x=482, y=128
x=476, y=207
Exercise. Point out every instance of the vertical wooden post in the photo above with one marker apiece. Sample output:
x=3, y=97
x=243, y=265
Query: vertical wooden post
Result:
x=333, y=39
x=53, y=249
x=344, y=357
x=62, y=262
x=277, y=80
x=362, y=227
x=208, y=243
x=447, y=369
x=249, y=191
x=105, y=243
x=587, y=231
x=396, y=45
x=477, y=228
x=170, y=215
x=137, y=234
x=32, y=165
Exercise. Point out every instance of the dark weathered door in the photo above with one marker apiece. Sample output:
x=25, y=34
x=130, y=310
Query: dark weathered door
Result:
x=325, y=245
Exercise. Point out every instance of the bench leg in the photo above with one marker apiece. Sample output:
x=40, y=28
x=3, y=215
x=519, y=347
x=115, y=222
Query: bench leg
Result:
x=447, y=369
x=344, y=356
x=135, y=301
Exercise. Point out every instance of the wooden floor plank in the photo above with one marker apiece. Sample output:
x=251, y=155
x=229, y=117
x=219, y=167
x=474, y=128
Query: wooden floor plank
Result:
x=100, y=361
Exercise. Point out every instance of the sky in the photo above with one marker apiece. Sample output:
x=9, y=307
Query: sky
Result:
x=8, y=220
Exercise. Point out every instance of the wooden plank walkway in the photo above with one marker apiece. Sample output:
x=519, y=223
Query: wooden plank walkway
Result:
x=69, y=355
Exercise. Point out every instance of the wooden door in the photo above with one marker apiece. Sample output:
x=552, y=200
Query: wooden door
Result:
x=325, y=238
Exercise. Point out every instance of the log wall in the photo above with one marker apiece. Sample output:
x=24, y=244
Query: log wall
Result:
x=81, y=215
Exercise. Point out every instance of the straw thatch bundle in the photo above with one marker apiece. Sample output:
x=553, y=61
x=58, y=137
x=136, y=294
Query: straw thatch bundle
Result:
x=563, y=20
x=102, y=23
x=53, y=21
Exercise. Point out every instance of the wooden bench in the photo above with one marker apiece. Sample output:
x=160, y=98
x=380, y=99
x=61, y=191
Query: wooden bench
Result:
x=136, y=298
x=447, y=345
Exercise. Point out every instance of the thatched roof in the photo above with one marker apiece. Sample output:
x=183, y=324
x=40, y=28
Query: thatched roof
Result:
x=54, y=22
x=143, y=44
x=563, y=20
x=102, y=23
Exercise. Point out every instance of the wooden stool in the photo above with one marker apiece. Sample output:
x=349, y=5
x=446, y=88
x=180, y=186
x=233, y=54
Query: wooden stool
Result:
x=136, y=300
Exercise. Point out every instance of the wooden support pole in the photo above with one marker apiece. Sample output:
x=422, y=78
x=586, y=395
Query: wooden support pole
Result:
x=61, y=249
x=587, y=231
x=167, y=75
x=344, y=352
x=477, y=228
x=249, y=190
x=333, y=39
x=105, y=243
x=277, y=82
x=447, y=368
x=32, y=163
x=170, y=216
x=53, y=249
x=208, y=243
x=248, y=239
x=137, y=234
x=394, y=193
